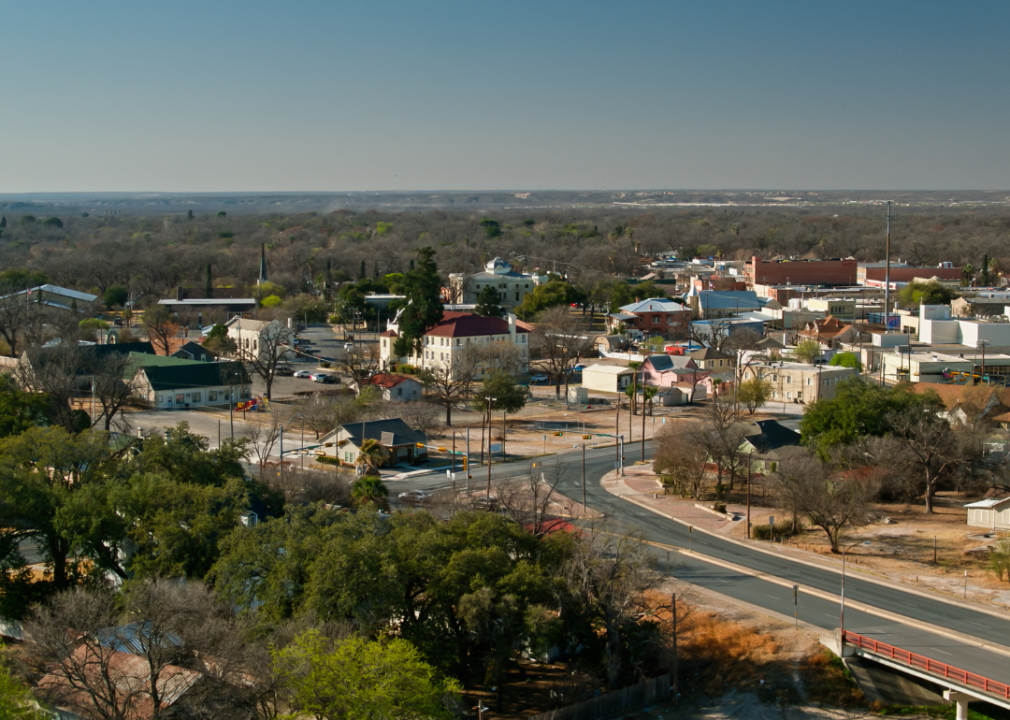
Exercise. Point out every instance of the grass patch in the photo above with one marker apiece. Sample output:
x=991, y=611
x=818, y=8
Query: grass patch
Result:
x=829, y=682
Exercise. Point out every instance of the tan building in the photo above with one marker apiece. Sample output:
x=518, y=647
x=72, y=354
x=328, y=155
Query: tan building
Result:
x=711, y=359
x=799, y=382
x=510, y=285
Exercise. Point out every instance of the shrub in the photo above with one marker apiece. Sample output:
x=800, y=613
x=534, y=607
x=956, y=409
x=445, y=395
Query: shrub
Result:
x=781, y=529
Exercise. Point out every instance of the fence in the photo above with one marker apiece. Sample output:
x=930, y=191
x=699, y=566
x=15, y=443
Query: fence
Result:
x=613, y=703
x=949, y=672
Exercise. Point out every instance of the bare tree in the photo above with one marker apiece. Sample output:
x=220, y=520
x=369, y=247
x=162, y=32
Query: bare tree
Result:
x=682, y=454
x=322, y=413
x=934, y=448
x=449, y=385
x=263, y=438
x=361, y=363
x=562, y=341
x=113, y=390
x=527, y=499
x=273, y=345
x=161, y=326
x=722, y=437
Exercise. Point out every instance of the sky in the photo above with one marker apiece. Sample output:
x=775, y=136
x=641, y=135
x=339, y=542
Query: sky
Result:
x=325, y=95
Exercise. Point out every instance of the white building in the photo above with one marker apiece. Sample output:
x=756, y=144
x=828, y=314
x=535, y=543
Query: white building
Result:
x=443, y=344
x=510, y=285
x=255, y=338
x=799, y=382
x=607, y=378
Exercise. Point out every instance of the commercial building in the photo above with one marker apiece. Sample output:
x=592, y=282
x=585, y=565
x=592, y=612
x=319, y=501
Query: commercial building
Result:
x=510, y=285
x=801, y=272
x=799, y=382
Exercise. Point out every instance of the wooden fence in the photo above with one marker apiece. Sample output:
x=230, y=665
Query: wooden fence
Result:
x=613, y=703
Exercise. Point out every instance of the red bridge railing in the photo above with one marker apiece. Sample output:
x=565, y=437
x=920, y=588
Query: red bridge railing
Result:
x=968, y=679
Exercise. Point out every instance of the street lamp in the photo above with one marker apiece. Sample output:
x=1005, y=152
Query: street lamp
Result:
x=841, y=614
x=490, y=404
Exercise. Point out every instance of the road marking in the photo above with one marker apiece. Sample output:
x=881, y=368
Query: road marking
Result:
x=908, y=603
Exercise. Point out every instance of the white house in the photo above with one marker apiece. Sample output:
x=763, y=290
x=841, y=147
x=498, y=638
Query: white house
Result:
x=607, y=378
x=394, y=388
x=174, y=383
x=400, y=443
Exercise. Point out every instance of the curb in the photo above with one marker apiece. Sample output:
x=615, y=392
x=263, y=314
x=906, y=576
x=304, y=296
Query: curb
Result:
x=863, y=574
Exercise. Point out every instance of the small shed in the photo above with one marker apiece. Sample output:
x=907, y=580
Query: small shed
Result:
x=991, y=513
x=607, y=378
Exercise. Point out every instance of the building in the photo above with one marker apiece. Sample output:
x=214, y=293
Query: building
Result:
x=607, y=378
x=711, y=331
x=168, y=383
x=256, y=339
x=958, y=331
x=829, y=332
x=834, y=272
x=665, y=371
x=991, y=513
x=219, y=305
x=653, y=316
x=511, y=286
x=766, y=443
x=900, y=275
x=194, y=351
x=711, y=359
x=835, y=307
x=445, y=343
x=713, y=304
x=799, y=382
x=51, y=296
x=925, y=365
x=393, y=388
x=400, y=443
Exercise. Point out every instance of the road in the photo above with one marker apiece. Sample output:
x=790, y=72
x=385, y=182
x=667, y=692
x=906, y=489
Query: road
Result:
x=922, y=611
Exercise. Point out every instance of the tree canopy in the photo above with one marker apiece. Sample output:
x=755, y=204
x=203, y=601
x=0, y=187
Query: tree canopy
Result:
x=422, y=306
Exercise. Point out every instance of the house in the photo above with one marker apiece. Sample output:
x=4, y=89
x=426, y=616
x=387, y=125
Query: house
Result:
x=511, y=286
x=400, y=443
x=609, y=343
x=194, y=351
x=394, y=388
x=677, y=371
x=829, y=332
x=714, y=304
x=105, y=668
x=256, y=339
x=51, y=296
x=653, y=316
x=607, y=378
x=445, y=343
x=711, y=359
x=799, y=382
x=766, y=443
x=969, y=403
x=991, y=513
x=87, y=359
x=221, y=303
x=175, y=383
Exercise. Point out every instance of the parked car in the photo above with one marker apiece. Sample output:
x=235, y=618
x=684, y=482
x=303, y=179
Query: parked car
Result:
x=303, y=374
x=539, y=378
x=414, y=496
x=284, y=371
x=349, y=347
x=579, y=368
x=486, y=502
x=323, y=378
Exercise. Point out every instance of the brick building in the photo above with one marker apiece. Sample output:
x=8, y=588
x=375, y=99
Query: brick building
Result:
x=801, y=272
x=664, y=317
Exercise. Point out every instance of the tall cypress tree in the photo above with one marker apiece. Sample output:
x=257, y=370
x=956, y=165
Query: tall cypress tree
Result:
x=208, y=286
x=422, y=306
x=361, y=271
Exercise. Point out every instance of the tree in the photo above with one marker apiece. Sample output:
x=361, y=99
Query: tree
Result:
x=274, y=344
x=422, y=305
x=115, y=296
x=681, y=459
x=932, y=447
x=502, y=393
x=218, y=341
x=19, y=409
x=370, y=456
x=16, y=702
x=846, y=359
x=858, y=409
x=722, y=435
x=450, y=384
x=161, y=326
x=360, y=678
x=754, y=393
x=649, y=393
x=370, y=490
x=559, y=338
x=807, y=351
x=925, y=292
x=488, y=303
x=208, y=283
x=554, y=293
x=263, y=437
x=830, y=502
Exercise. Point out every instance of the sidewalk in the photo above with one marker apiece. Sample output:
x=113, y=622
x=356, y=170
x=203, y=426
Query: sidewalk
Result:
x=641, y=486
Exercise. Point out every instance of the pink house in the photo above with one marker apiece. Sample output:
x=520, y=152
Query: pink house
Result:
x=669, y=370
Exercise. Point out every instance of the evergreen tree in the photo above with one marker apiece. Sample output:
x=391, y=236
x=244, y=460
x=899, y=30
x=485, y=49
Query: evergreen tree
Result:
x=209, y=283
x=3, y=221
x=361, y=271
x=422, y=306
x=375, y=270
x=189, y=216
x=488, y=303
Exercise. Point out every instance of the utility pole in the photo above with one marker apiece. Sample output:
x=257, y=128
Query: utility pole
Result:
x=887, y=271
x=468, y=460
x=583, y=478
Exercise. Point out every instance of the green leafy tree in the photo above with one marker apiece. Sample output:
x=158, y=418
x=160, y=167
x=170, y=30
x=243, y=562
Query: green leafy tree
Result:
x=551, y=294
x=115, y=296
x=370, y=456
x=858, y=409
x=422, y=306
x=925, y=292
x=807, y=351
x=16, y=701
x=488, y=303
x=754, y=393
x=491, y=227
x=625, y=293
x=846, y=359
x=218, y=342
x=361, y=678
x=370, y=490
x=20, y=410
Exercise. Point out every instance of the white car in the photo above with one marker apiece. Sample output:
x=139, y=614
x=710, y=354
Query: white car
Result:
x=302, y=374
x=539, y=379
x=414, y=496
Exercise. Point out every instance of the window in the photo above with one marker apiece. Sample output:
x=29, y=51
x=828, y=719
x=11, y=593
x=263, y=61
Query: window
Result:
x=655, y=319
x=399, y=391
x=212, y=395
x=775, y=378
x=180, y=399
x=789, y=396
x=348, y=457
x=810, y=381
x=196, y=397
x=161, y=398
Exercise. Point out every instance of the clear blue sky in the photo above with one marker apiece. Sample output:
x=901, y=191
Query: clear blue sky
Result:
x=218, y=95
